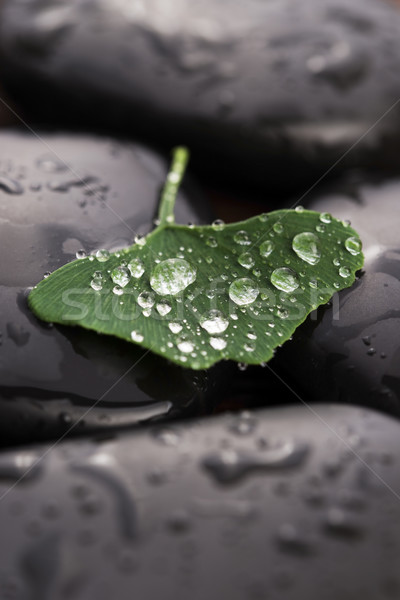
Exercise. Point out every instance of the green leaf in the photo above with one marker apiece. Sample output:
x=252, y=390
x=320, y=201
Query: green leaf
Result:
x=196, y=295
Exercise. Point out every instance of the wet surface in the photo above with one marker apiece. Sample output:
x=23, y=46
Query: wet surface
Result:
x=349, y=351
x=314, y=513
x=61, y=196
x=276, y=89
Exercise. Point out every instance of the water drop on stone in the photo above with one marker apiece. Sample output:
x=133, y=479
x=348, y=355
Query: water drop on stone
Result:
x=146, y=299
x=217, y=343
x=136, y=267
x=80, y=254
x=121, y=276
x=246, y=260
x=353, y=245
x=214, y=322
x=242, y=238
x=175, y=327
x=344, y=272
x=11, y=186
x=102, y=255
x=136, y=336
x=172, y=276
x=243, y=291
x=284, y=279
x=266, y=248
x=306, y=246
x=163, y=308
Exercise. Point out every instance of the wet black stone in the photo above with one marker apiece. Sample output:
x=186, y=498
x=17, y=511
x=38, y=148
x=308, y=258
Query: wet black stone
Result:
x=158, y=539
x=269, y=92
x=60, y=380
x=349, y=351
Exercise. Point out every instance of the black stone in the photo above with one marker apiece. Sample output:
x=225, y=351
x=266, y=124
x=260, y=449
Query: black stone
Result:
x=60, y=194
x=144, y=515
x=270, y=92
x=349, y=351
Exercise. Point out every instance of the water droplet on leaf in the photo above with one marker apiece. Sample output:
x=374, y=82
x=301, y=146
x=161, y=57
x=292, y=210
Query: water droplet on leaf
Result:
x=284, y=279
x=172, y=276
x=243, y=291
x=306, y=246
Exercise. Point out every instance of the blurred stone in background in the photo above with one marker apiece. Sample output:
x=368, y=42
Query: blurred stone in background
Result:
x=269, y=94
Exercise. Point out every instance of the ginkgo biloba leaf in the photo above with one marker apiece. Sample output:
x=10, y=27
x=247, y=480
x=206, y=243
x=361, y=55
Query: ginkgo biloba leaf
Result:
x=196, y=295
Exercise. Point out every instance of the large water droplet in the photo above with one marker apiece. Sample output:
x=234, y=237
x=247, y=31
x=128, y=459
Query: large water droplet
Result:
x=243, y=291
x=121, y=276
x=172, y=276
x=353, y=245
x=307, y=247
x=136, y=268
x=214, y=322
x=266, y=248
x=284, y=279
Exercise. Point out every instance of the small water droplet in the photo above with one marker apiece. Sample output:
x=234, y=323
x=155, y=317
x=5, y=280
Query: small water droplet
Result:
x=145, y=299
x=246, y=260
x=212, y=242
x=313, y=283
x=320, y=228
x=121, y=276
x=243, y=291
x=185, y=345
x=175, y=327
x=242, y=238
x=217, y=343
x=172, y=276
x=136, y=336
x=163, y=308
x=140, y=240
x=325, y=218
x=218, y=225
x=136, y=267
x=214, y=322
x=284, y=279
x=80, y=254
x=353, y=245
x=46, y=274
x=117, y=290
x=266, y=248
x=344, y=272
x=97, y=283
x=102, y=255
x=306, y=246
x=278, y=228
x=299, y=209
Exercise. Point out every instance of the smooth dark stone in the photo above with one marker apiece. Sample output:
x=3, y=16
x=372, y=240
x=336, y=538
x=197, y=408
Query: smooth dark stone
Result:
x=350, y=351
x=57, y=381
x=271, y=92
x=295, y=505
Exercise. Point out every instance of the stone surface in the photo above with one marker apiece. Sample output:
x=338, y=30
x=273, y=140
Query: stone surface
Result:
x=282, y=503
x=60, y=194
x=350, y=351
x=269, y=92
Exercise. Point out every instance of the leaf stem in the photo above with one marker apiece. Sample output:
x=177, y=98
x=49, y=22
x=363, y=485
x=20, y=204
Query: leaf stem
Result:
x=180, y=157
